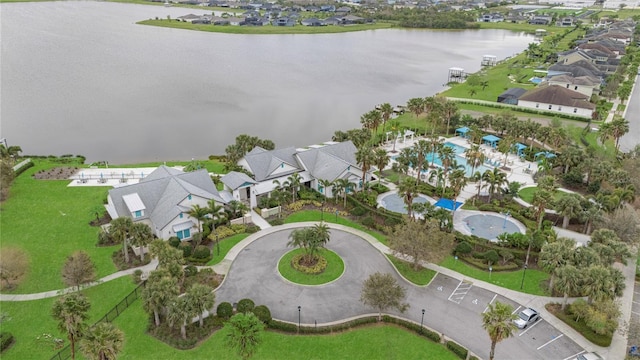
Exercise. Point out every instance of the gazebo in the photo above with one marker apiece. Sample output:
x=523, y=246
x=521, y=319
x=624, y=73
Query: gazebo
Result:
x=546, y=154
x=463, y=131
x=519, y=148
x=490, y=140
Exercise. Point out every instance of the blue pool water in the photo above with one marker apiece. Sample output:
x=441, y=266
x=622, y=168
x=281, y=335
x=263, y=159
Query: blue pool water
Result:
x=393, y=202
x=433, y=158
x=489, y=226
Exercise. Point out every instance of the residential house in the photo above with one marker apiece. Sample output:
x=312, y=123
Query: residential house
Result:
x=583, y=84
x=541, y=20
x=557, y=99
x=312, y=22
x=239, y=185
x=579, y=68
x=236, y=21
x=163, y=199
x=566, y=21
x=511, y=95
x=328, y=161
x=283, y=21
x=493, y=17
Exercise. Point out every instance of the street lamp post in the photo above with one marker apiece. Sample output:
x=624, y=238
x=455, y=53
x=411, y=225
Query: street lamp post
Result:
x=336, y=216
x=490, y=270
x=299, y=307
x=217, y=244
x=422, y=321
x=524, y=271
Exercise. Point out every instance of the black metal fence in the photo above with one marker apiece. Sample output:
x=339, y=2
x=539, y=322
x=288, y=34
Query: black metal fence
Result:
x=65, y=352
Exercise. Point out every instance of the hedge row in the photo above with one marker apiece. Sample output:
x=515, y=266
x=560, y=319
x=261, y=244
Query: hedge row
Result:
x=484, y=245
x=524, y=109
x=293, y=328
x=457, y=349
x=23, y=168
x=390, y=218
x=431, y=335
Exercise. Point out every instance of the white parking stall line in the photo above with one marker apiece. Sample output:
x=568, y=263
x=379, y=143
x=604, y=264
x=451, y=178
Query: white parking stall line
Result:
x=529, y=328
x=574, y=355
x=460, y=291
x=636, y=302
x=635, y=312
x=490, y=302
x=516, y=310
x=550, y=341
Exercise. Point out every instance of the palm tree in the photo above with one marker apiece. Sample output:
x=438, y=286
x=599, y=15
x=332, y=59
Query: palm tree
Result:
x=449, y=109
x=421, y=149
x=416, y=106
x=457, y=181
x=179, y=311
x=438, y=175
x=102, y=342
x=324, y=186
x=477, y=178
x=408, y=190
x=71, y=312
x=435, y=144
x=395, y=131
x=494, y=180
x=343, y=186
x=120, y=228
x=201, y=298
x=199, y=213
x=596, y=284
x=244, y=334
x=236, y=209
x=498, y=322
x=554, y=255
x=590, y=214
x=447, y=155
x=569, y=206
x=381, y=159
x=541, y=199
x=474, y=156
x=571, y=156
x=386, y=110
x=160, y=289
x=141, y=236
x=293, y=182
x=365, y=157
x=569, y=280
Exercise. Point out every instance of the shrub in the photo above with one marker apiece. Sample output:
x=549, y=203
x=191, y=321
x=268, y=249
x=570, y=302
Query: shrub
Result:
x=491, y=256
x=190, y=270
x=238, y=228
x=263, y=313
x=174, y=241
x=358, y=211
x=457, y=349
x=283, y=326
x=202, y=252
x=6, y=339
x=368, y=222
x=251, y=228
x=318, y=268
x=224, y=310
x=464, y=248
x=186, y=248
x=431, y=335
x=223, y=232
x=104, y=238
x=137, y=276
x=245, y=305
x=276, y=222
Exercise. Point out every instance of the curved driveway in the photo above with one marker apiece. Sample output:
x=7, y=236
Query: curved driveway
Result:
x=452, y=307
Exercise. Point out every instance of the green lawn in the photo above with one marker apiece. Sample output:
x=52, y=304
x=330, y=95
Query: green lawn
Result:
x=265, y=30
x=315, y=215
x=421, y=277
x=225, y=245
x=510, y=280
x=334, y=269
x=50, y=221
x=375, y=342
x=527, y=193
x=212, y=166
x=30, y=319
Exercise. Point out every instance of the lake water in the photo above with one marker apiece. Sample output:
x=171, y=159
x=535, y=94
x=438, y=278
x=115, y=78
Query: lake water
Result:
x=83, y=78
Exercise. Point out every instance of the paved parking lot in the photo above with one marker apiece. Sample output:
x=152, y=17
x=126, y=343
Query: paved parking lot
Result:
x=464, y=304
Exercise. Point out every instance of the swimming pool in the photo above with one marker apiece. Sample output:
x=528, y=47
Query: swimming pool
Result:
x=489, y=226
x=393, y=202
x=433, y=158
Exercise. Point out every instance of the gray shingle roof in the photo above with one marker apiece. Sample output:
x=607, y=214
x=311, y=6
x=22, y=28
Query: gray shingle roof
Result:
x=263, y=163
x=329, y=161
x=557, y=95
x=162, y=191
x=236, y=179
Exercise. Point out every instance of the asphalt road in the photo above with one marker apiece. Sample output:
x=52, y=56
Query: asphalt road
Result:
x=632, y=138
x=453, y=308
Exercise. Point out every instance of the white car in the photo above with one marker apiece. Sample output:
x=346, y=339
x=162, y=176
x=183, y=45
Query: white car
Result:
x=526, y=317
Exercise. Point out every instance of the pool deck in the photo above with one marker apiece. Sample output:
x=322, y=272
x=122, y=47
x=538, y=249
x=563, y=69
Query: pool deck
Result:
x=459, y=217
x=518, y=169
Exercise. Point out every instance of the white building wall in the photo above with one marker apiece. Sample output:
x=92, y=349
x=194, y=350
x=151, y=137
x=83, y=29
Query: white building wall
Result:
x=556, y=108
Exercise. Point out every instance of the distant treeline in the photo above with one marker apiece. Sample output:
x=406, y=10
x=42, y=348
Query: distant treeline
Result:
x=430, y=19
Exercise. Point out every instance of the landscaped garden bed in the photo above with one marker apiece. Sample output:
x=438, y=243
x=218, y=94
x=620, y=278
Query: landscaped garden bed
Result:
x=56, y=173
x=580, y=326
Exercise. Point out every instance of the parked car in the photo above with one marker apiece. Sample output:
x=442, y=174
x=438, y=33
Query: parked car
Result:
x=526, y=317
x=589, y=356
